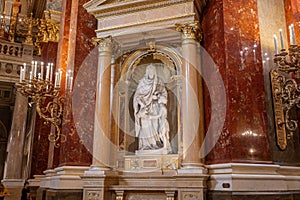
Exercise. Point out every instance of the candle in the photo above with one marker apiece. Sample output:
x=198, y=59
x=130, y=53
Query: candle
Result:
x=39, y=76
x=21, y=74
x=35, y=69
x=56, y=79
x=71, y=83
x=281, y=39
x=293, y=35
x=30, y=75
x=24, y=71
x=51, y=71
x=42, y=70
x=47, y=72
x=32, y=66
x=275, y=44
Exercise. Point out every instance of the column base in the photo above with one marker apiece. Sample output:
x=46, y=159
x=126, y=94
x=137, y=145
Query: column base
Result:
x=58, y=183
x=14, y=187
x=65, y=177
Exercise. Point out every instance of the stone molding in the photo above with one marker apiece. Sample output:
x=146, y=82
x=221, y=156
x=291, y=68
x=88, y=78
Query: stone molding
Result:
x=125, y=7
x=239, y=177
x=65, y=177
x=140, y=16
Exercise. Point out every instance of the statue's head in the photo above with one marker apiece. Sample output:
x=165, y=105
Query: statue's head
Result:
x=151, y=71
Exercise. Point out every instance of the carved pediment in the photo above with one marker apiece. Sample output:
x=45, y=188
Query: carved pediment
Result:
x=96, y=3
x=112, y=6
x=117, y=16
x=93, y=4
x=102, y=7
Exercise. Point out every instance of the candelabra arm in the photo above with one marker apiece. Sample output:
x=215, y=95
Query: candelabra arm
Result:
x=52, y=114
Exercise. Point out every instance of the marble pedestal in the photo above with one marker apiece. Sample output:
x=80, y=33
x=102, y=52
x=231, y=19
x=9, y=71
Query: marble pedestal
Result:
x=148, y=162
x=146, y=177
x=60, y=183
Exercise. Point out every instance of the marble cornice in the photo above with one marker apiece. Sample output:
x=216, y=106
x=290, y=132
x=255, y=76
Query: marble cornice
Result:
x=130, y=7
x=147, y=22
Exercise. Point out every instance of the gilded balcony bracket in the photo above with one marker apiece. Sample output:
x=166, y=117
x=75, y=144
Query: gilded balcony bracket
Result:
x=285, y=83
x=48, y=31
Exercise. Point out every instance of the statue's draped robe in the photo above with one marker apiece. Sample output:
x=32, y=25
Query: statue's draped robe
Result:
x=145, y=106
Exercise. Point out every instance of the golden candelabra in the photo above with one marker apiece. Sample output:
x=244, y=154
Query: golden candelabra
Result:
x=41, y=90
x=286, y=93
x=30, y=23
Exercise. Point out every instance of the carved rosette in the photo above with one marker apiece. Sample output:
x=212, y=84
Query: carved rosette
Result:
x=191, y=195
x=94, y=195
x=190, y=30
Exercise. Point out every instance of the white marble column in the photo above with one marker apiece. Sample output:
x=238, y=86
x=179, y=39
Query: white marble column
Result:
x=101, y=142
x=13, y=179
x=16, y=139
x=191, y=103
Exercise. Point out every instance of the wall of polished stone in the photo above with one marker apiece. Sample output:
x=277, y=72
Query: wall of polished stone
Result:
x=79, y=29
x=231, y=34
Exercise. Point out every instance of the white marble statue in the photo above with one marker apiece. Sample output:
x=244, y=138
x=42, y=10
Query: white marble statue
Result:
x=150, y=112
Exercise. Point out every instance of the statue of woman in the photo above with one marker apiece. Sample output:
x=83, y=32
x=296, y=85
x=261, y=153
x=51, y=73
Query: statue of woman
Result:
x=147, y=110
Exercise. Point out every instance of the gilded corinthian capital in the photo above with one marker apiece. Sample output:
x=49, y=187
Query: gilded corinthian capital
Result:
x=190, y=30
x=102, y=42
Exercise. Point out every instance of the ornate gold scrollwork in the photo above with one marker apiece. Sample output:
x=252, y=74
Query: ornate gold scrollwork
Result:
x=29, y=23
x=286, y=93
x=13, y=21
x=278, y=110
x=48, y=31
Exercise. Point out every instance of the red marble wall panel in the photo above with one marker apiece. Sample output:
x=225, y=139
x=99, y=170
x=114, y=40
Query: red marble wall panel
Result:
x=213, y=42
x=245, y=135
x=40, y=150
x=77, y=148
x=292, y=15
x=63, y=43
